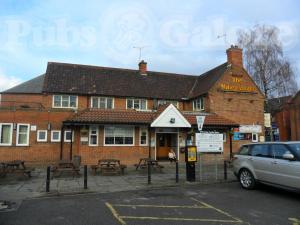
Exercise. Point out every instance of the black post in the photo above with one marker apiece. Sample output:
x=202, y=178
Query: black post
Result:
x=149, y=161
x=48, y=179
x=85, y=176
x=225, y=170
x=230, y=142
x=177, y=174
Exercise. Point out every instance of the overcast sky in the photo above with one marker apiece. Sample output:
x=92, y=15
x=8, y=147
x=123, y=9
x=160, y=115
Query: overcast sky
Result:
x=176, y=36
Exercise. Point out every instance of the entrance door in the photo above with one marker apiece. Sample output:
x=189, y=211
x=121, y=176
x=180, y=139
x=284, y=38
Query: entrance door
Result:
x=164, y=144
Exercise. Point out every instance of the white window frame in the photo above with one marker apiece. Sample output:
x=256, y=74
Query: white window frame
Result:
x=139, y=99
x=65, y=136
x=147, y=135
x=90, y=134
x=63, y=107
x=98, y=97
x=10, y=135
x=224, y=137
x=38, y=137
x=202, y=107
x=164, y=101
x=254, y=137
x=28, y=132
x=59, y=136
x=133, y=137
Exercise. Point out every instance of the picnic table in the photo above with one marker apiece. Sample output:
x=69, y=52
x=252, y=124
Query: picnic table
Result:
x=109, y=166
x=64, y=166
x=15, y=166
x=143, y=163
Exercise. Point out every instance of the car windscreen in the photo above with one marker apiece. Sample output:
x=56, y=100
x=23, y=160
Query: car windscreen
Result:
x=296, y=149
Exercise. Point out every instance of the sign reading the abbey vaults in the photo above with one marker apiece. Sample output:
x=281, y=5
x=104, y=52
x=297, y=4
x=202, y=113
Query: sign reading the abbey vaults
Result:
x=237, y=86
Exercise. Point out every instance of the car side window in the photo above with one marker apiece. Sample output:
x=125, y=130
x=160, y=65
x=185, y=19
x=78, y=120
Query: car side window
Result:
x=278, y=151
x=244, y=150
x=260, y=151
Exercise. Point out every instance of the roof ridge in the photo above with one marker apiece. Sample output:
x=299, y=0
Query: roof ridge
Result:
x=122, y=69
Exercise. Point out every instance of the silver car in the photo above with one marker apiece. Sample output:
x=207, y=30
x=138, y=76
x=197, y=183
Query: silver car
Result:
x=273, y=163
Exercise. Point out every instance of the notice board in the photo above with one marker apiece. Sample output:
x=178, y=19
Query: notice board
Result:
x=209, y=142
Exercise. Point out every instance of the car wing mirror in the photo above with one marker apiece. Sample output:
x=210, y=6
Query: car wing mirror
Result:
x=288, y=156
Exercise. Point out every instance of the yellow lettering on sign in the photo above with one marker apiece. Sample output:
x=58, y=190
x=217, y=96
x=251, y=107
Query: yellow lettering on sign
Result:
x=227, y=87
x=236, y=80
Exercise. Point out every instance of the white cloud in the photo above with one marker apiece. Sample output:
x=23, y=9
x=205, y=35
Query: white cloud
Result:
x=7, y=82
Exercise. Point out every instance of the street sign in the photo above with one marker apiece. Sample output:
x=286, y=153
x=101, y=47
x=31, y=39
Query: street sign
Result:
x=200, y=122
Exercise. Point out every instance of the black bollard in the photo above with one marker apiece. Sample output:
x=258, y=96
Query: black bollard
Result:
x=225, y=170
x=85, y=176
x=48, y=179
x=149, y=171
x=177, y=173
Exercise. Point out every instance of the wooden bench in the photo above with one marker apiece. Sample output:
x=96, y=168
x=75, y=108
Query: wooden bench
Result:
x=109, y=167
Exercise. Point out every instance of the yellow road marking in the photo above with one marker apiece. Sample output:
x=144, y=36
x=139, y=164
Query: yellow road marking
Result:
x=179, y=219
x=218, y=210
x=164, y=206
x=115, y=213
x=295, y=221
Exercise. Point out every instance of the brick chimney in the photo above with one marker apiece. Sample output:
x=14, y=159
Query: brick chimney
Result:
x=235, y=56
x=143, y=67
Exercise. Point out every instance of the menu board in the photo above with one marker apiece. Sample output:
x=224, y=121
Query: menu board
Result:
x=209, y=142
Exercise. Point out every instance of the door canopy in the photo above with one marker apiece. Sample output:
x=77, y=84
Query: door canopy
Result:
x=170, y=117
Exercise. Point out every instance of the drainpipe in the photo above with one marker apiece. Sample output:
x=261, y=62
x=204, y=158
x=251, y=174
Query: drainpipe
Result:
x=71, y=145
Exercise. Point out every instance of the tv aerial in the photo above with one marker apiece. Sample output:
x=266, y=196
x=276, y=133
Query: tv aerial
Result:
x=140, y=48
x=224, y=37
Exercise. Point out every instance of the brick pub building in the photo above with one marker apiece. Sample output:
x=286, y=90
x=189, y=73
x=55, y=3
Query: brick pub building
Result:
x=99, y=112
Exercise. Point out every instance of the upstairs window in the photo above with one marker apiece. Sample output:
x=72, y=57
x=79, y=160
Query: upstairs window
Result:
x=102, y=102
x=138, y=104
x=6, y=133
x=64, y=101
x=163, y=102
x=198, y=104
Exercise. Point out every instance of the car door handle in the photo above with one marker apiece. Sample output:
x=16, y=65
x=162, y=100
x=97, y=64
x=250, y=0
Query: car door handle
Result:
x=274, y=162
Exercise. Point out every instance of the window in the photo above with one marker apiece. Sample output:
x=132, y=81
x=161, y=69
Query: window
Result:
x=143, y=136
x=260, y=151
x=69, y=136
x=102, y=102
x=23, y=134
x=278, y=151
x=64, y=101
x=164, y=102
x=198, y=104
x=118, y=135
x=41, y=136
x=254, y=137
x=6, y=133
x=55, y=136
x=138, y=104
x=93, y=140
x=244, y=150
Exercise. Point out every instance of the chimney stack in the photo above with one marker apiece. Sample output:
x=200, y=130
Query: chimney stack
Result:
x=143, y=67
x=235, y=56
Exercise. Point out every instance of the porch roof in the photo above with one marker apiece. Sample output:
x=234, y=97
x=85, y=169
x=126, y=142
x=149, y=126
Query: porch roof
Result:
x=113, y=116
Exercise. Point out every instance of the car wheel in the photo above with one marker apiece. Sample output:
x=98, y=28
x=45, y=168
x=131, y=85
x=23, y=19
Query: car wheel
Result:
x=246, y=179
